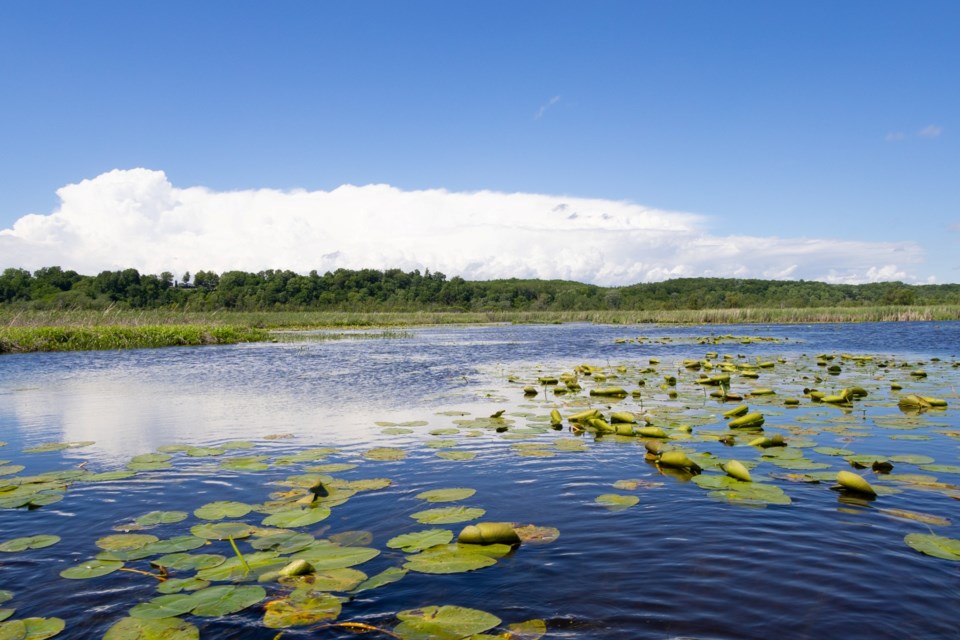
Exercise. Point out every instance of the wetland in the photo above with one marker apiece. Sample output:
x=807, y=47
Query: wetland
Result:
x=161, y=493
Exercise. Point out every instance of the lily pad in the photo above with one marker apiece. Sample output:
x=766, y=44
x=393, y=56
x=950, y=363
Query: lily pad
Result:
x=125, y=541
x=161, y=517
x=446, y=495
x=222, y=530
x=616, y=501
x=385, y=577
x=443, y=623
x=457, y=455
x=301, y=608
x=385, y=454
x=342, y=579
x=333, y=556
x=454, y=558
x=222, y=509
x=157, y=629
x=226, y=599
x=933, y=545
x=251, y=567
x=28, y=542
x=189, y=561
x=419, y=540
x=293, y=518
x=448, y=515
x=91, y=569
x=176, y=585
x=31, y=628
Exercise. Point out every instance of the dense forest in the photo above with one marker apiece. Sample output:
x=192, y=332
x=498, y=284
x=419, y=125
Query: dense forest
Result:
x=396, y=290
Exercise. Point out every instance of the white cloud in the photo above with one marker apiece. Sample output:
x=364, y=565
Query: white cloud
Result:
x=930, y=131
x=543, y=108
x=896, y=136
x=137, y=218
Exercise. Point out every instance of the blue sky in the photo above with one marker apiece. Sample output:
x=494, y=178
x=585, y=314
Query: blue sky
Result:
x=805, y=139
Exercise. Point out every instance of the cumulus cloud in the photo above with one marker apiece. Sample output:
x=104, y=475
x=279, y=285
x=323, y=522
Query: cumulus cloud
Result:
x=137, y=218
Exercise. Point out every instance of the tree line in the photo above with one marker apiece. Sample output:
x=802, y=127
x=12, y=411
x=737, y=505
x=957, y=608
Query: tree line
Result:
x=397, y=290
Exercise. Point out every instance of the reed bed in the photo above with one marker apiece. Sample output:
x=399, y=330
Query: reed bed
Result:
x=23, y=331
x=90, y=338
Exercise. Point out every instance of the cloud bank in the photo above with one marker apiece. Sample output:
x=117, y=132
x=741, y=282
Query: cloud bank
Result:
x=137, y=218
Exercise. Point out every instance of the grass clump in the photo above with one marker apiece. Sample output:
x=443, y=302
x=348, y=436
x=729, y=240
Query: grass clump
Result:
x=88, y=338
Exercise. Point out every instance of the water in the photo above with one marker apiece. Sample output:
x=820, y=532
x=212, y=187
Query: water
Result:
x=678, y=564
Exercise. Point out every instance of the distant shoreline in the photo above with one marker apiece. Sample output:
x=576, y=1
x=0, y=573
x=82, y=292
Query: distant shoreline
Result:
x=81, y=330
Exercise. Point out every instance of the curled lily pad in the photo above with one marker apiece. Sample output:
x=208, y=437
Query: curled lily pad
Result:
x=535, y=534
x=933, y=545
x=448, y=515
x=155, y=629
x=445, y=495
x=28, y=542
x=443, y=622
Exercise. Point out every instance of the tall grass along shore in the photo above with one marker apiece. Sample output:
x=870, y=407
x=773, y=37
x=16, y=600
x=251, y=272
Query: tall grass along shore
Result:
x=73, y=330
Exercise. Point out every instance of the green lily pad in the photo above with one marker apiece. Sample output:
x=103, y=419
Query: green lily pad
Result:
x=251, y=567
x=161, y=517
x=152, y=629
x=125, y=541
x=396, y=431
x=151, y=458
x=4, y=614
x=420, y=540
x=293, y=518
x=91, y=569
x=166, y=606
x=352, y=538
x=527, y=630
x=445, y=495
x=385, y=577
x=108, y=476
x=333, y=556
x=370, y=484
x=616, y=501
x=203, y=452
x=457, y=455
x=283, y=541
x=176, y=585
x=385, y=454
x=189, y=561
x=222, y=509
x=57, y=446
x=933, y=545
x=222, y=530
x=245, y=463
x=453, y=558
x=5, y=594
x=31, y=628
x=911, y=459
x=333, y=467
x=443, y=623
x=301, y=608
x=448, y=515
x=941, y=468
x=9, y=469
x=226, y=599
x=342, y=579
x=28, y=542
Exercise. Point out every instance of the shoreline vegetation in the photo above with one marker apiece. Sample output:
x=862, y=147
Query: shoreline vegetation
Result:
x=24, y=331
x=56, y=310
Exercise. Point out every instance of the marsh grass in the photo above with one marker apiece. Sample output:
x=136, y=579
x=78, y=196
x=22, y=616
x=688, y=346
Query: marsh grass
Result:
x=112, y=328
x=89, y=338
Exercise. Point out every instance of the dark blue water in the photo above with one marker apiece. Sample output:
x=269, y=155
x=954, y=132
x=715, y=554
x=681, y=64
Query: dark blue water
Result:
x=678, y=564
